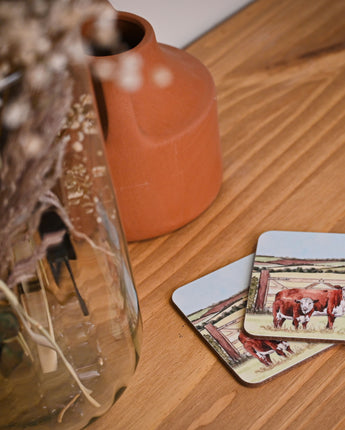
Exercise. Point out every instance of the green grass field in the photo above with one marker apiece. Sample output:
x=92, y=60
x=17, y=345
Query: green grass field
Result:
x=262, y=325
x=254, y=372
x=198, y=314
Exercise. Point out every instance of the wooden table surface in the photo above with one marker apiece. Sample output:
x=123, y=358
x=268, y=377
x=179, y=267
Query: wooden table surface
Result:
x=279, y=68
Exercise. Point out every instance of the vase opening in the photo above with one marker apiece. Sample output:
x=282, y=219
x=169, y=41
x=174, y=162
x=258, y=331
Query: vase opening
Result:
x=130, y=33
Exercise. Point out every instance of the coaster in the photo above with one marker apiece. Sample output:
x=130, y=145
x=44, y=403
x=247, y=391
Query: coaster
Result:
x=297, y=287
x=215, y=306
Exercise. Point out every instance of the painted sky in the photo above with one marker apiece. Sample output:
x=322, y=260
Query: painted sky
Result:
x=302, y=244
x=214, y=287
x=233, y=278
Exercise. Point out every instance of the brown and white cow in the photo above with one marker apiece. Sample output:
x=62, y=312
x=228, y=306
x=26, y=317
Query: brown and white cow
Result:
x=290, y=307
x=329, y=302
x=263, y=348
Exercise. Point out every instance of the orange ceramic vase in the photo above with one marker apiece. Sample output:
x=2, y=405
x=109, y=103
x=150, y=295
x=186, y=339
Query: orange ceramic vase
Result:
x=162, y=136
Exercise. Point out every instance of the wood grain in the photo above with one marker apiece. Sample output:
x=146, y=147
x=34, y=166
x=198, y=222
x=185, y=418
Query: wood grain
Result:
x=279, y=68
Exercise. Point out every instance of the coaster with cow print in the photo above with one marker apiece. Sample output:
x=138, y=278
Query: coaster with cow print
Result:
x=297, y=287
x=215, y=306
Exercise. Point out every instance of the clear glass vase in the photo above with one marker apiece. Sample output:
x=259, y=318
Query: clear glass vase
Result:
x=70, y=330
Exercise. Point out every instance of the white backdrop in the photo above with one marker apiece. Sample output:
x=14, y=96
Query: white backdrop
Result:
x=179, y=22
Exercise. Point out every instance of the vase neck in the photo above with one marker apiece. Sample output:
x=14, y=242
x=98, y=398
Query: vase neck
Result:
x=135, y=32
x=134, y=35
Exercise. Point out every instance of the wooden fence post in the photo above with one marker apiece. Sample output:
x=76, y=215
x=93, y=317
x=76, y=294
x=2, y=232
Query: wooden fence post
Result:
x=223, y=341
x=262, y=290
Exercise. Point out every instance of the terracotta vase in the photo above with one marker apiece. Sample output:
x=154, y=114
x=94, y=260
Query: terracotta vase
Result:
x=162, y=137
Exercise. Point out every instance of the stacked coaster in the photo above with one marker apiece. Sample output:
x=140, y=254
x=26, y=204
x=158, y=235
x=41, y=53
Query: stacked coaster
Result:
x=270, y=311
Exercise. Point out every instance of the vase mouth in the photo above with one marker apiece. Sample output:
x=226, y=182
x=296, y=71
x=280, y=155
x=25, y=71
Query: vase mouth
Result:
x=132, y=31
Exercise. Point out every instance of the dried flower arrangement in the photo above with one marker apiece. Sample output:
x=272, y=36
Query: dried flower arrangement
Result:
x=39, y=45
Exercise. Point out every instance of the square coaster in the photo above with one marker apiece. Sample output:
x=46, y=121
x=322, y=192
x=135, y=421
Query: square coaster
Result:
x=215, y=307
x=297, y=287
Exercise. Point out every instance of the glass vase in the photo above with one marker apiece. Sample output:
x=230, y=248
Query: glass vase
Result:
x=70, y=330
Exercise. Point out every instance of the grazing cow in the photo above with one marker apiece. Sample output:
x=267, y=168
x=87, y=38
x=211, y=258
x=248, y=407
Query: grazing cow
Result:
x=261, y=349
x=290, y=307
x=329, y=302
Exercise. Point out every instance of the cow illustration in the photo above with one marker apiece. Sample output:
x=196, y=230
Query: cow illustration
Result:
x=329, y=302
x=291, y=307
x=263, y=348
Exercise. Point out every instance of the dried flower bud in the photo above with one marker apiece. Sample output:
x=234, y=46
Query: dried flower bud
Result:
x=32, y=145
x=43, y=45
x=104, y=28
x=38, y=77
x=15, y=114
x=162, y=76
x=65, y=139
x=89, y=127
x=75, y=52
x=57, y=62
x=129, y=75
x=104, y=69
x=77, y=146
